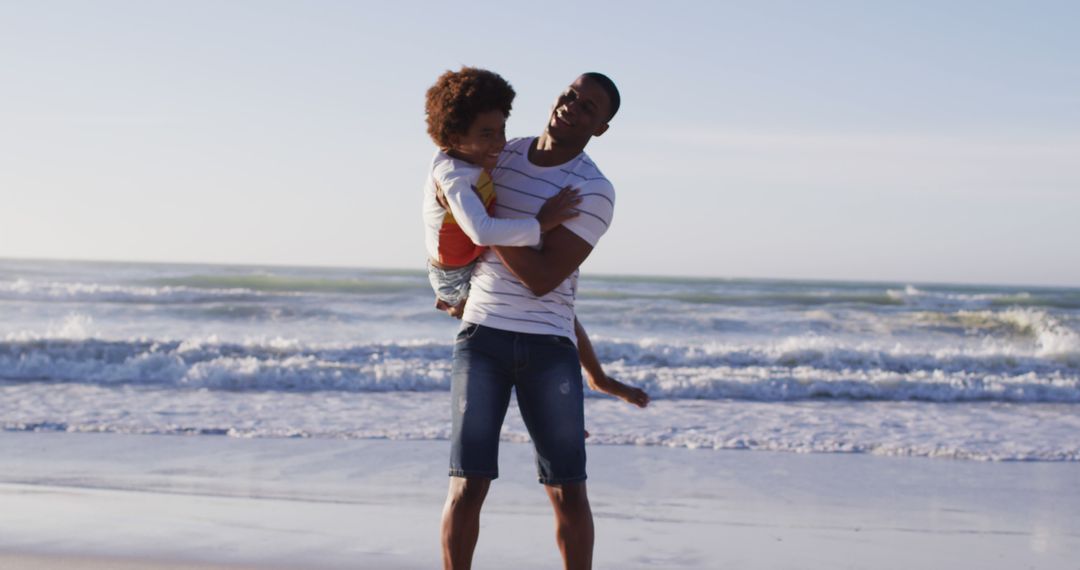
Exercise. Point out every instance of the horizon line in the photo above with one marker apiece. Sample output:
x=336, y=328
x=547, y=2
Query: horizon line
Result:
x=662, y=276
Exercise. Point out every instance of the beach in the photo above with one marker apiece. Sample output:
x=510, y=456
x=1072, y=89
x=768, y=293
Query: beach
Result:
x=820, y=250
x=202, y=416
x=157, y=501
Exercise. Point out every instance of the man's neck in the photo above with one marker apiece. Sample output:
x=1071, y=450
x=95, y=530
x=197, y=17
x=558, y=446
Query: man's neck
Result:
x=545, y=151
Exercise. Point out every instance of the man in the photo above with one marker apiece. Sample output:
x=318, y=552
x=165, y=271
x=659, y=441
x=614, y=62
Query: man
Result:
x=518, y=330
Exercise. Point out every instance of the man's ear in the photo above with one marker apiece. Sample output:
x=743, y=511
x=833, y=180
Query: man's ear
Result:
x=601, y=129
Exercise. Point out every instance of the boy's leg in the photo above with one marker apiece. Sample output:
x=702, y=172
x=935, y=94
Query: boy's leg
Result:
x=451, y=287
x=457, y=310
x=600, y=381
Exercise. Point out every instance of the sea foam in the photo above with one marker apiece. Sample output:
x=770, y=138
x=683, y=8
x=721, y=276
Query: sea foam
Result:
x=789, y=369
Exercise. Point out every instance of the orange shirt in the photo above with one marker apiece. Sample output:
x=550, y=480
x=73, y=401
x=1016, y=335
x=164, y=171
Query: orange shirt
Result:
x=455, y=248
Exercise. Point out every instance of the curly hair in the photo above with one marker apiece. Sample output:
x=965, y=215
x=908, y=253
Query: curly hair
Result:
x=457, y=97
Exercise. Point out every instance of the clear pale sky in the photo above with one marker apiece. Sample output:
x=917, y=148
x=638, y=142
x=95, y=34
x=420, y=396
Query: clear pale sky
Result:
x=908, y=141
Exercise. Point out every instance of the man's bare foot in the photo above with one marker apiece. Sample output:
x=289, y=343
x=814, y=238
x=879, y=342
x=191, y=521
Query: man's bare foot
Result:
x=625, y=392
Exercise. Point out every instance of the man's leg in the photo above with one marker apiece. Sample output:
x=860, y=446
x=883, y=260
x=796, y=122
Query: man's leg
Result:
x=551, y=399
x=573, y=524
x=480, y=389
x=461, y=520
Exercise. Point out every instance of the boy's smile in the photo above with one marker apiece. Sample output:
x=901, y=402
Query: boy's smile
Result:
x=484, y=140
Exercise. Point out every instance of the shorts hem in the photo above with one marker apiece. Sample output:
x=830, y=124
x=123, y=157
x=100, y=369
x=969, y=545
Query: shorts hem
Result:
x=476, y=474
x=561, y=480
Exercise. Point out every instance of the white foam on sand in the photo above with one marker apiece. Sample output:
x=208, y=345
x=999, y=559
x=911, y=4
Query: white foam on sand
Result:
x=987, y=431
x=323, y=503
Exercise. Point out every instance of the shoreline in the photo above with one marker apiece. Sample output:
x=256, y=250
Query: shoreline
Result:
x=204, y=502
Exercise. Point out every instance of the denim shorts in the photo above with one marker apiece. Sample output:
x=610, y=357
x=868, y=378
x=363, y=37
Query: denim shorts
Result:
x=544, y=372
x=450, y=285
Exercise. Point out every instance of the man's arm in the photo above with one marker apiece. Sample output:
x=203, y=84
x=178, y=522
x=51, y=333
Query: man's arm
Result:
x=543, y=270
x=458, y=195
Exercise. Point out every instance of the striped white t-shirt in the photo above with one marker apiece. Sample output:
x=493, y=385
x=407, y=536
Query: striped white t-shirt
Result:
x=497, y=299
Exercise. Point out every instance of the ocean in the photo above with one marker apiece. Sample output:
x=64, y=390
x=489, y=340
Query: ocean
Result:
x=946, y=371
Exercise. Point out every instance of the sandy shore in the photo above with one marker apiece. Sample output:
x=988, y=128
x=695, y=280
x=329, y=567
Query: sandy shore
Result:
x=88, y=501
x=54, y=562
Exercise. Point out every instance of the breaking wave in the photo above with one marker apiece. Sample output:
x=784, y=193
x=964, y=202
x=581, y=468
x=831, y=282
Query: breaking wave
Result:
x=790, y=369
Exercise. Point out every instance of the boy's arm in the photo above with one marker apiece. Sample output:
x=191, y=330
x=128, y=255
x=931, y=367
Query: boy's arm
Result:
x=473, y=219
x=542, y=270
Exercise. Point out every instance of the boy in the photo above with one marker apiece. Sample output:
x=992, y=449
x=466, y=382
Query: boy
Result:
x=466, y=118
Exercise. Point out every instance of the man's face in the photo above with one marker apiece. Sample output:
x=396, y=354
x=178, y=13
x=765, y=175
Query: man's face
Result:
x=580, y=112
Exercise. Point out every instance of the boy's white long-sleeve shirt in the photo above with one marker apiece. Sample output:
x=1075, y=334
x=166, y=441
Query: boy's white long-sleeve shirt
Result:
x=458, y=236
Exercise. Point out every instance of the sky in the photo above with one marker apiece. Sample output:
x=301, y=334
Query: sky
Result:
x=884, y=141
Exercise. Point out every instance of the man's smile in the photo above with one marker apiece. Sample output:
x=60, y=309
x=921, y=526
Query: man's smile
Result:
x=561, y=117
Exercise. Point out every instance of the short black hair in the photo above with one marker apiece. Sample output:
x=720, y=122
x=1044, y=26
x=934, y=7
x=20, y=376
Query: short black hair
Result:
x=609, y=87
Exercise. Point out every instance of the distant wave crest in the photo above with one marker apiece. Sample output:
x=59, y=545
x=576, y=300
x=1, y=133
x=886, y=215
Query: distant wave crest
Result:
x=198, y=289
x=790, y=369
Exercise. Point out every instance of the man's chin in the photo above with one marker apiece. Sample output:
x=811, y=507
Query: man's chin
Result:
x=556, y=131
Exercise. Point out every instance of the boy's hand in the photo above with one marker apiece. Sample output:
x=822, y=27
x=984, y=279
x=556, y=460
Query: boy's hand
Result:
x=558, y=209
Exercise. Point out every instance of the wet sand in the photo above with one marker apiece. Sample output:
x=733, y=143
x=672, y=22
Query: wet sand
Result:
x=89, y=501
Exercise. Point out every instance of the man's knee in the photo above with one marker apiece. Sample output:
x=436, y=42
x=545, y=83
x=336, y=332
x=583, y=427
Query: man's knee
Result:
x=468, y=492
x=569, y=497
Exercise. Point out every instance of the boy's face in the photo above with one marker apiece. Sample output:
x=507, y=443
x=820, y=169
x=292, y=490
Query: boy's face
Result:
x=484, y=140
